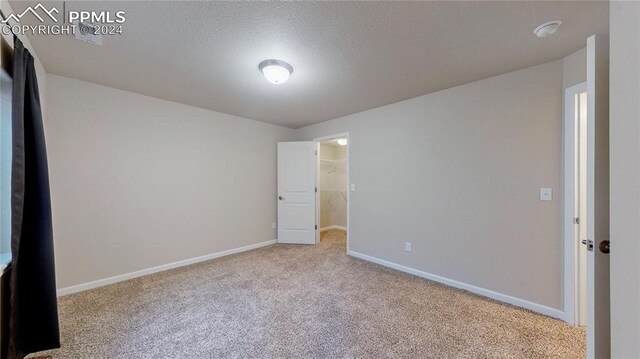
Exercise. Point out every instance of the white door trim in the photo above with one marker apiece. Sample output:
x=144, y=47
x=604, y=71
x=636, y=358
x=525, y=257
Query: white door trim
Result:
x=570, y=210
x=326, y=138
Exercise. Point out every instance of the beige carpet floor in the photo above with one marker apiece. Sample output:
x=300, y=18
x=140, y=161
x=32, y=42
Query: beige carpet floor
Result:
x=293, y=301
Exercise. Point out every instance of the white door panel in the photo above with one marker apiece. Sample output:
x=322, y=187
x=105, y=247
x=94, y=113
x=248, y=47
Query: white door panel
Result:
x=598, y=322
x=296, y=192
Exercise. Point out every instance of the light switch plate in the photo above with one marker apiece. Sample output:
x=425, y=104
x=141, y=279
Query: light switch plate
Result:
x=353, y=187
x=407, y=246
x=546, y=194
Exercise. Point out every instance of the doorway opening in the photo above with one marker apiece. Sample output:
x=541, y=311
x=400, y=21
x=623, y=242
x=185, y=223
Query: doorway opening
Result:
x=576, y=178
x=332, y=196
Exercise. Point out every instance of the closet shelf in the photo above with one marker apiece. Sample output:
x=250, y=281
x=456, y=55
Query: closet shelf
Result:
x=332, y=166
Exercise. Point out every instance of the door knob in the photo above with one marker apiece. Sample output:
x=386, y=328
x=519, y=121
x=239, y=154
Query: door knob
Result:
x=281, y=198
x=605, y=247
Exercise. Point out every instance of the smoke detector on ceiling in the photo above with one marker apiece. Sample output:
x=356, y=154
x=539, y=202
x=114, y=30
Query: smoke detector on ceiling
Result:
x=548, y=28
x=87, y=33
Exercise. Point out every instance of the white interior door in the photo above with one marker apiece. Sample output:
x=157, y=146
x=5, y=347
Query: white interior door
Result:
x=296, y=192
x=598, y=322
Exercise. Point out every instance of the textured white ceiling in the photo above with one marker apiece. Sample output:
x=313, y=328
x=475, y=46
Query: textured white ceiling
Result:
x=347, y=56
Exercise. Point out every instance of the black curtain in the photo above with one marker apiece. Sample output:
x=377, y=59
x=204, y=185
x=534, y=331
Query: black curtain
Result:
x=33, y=317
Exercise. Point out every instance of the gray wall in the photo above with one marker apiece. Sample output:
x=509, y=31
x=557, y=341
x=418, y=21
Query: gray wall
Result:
x=625, y=178
x=138, y=182
x=575, y=68
x=459, y=176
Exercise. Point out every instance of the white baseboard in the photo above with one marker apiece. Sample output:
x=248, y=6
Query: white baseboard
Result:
x=160, y=268
x=538, y=308
x=333, y=227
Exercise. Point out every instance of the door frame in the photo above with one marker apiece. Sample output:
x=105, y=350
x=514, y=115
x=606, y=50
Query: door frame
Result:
x=571, y=244
x=317, y=140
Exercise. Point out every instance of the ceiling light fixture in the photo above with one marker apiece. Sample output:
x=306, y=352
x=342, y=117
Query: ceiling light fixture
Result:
x=548, y=28
x=342, y=141
x=275, y=71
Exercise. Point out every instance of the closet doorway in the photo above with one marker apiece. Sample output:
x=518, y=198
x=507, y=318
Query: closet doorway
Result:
x=575, y=202
x=332, y=196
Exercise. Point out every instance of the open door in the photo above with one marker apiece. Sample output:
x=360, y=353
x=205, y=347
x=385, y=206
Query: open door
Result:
x=598, y=322
x=296, y=192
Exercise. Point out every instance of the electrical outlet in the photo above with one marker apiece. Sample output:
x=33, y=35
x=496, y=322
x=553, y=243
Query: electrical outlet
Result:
x=273, y=225
x=407, y=246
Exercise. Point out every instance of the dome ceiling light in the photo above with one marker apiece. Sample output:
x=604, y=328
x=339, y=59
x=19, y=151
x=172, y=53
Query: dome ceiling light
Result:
x=548, y=28
x=275, y=71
